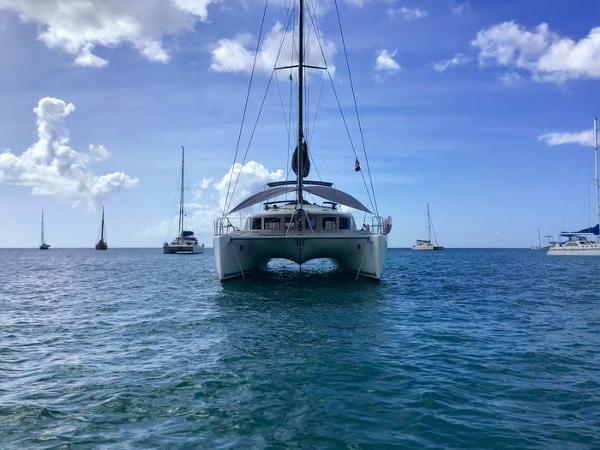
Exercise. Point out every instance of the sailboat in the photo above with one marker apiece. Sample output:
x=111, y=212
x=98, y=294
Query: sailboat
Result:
x=422, y=244
x=43, y=244
x=582, y=242
x=540, y=246
x=185, y=242
x=102, y=245
x=295, y=229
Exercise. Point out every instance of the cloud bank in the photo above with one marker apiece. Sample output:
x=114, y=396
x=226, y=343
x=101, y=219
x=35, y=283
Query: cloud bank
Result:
x=78, y=27
x=546, y=55
x=52, y=167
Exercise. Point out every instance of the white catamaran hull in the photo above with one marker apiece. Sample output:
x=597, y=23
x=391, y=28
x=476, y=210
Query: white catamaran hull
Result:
x=239, y=254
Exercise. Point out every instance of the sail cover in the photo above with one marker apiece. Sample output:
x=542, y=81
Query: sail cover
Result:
x=335, y=195
x=305, y=161
x=262, y=196
x=591, y=230
x=325, y=192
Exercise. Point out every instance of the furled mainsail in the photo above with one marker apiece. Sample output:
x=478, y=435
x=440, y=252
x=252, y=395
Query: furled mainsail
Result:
x=305, y=161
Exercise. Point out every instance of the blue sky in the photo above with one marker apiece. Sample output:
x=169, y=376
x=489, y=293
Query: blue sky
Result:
x=453, y=111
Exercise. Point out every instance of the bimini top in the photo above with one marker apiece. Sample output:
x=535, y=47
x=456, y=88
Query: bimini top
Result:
x=326, y=192
x=595, y=230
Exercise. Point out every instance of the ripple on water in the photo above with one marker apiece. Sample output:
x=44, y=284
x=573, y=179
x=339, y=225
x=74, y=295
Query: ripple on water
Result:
x=458, y=349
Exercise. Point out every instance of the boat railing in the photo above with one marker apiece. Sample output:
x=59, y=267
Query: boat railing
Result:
x=224, y=226
x=374, y=224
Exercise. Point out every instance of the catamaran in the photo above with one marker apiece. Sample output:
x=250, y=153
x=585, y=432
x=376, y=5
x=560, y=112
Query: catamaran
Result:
x=295, y=228
x=422, y=244
x=582, y=242
x=185, y=242
x=43, y=244
x=102, y=244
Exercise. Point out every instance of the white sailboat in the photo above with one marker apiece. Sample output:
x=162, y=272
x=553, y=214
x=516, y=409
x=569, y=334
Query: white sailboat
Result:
x=584, y=242
x=295, y=229
x=185, y=242
x=43, y=244
x=427, y=245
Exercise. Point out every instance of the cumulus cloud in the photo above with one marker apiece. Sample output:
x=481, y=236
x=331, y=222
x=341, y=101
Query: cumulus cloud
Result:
x=585, y=138
x=458, y=8
x=407, y=13
x=208, y=198
x=78, y=27
x=385, y=61
x=237, y=54
x=544, y=54
x=456, y=60
x=52, y=167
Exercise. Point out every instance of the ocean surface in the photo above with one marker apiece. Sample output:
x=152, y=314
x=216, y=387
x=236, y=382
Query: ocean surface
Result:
x=453, y=349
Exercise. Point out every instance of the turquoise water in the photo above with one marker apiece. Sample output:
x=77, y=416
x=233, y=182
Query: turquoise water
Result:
x=453, y=349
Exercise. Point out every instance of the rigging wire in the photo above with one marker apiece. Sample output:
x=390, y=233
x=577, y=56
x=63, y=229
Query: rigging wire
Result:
x=341, y=110
x=262, y=104
x=362, y=137
x=239, y=137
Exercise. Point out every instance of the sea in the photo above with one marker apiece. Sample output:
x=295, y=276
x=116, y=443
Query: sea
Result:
x=130, y=348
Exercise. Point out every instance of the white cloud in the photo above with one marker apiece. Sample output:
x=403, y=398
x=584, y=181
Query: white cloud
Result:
x=78, y=27
x=458, y=8
x=208, y=199
x=385, y=61
x=407, y=13
x=52, y=167
x=585, y=138
x=541, y=52
x=237, y=54
x=456, y=60
x=510, y=78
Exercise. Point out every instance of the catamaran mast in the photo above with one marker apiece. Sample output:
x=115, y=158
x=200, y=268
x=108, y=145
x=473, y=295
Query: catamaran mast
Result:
x=300, y=172
x=181, y=192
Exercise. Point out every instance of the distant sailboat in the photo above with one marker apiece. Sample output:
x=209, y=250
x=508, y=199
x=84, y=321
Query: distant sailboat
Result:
x=423, y=244
x=540, y=246
x=185, y=242
x=581, y=243
x=102, y=245
x=43, y=244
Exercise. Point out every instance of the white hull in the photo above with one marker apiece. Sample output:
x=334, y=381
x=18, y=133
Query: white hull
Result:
x=241, y=253
x=182, y=249
x=584, y=250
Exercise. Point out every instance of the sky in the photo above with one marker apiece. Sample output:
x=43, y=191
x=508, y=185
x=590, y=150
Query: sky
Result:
x=482, y=108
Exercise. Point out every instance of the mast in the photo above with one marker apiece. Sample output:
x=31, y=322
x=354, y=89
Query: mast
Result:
x=102, y=226
x=181, y=192
x=42, y=226
x=539, y=239
x=596, y=168
x=300, y=103
x=428, y=223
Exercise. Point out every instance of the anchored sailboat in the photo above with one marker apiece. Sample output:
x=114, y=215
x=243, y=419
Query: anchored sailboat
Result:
x=185, y=242
x=423, y=244
x=43, y=244
x=582, y=242
x=102, y=245
x=295, y=229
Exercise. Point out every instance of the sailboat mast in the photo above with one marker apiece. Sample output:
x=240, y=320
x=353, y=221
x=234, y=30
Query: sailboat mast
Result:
x=300, y=103
x=428, y=223
x=596, y=168
x=42, y=226
x=102, y=226
x=181, y=192
x=539, y=239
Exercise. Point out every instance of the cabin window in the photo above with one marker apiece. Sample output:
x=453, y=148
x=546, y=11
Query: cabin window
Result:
x=311, y=223
x=288, y=223
x=272, y=223
x=344, y=223
x=257, y=223
x=329, y=223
